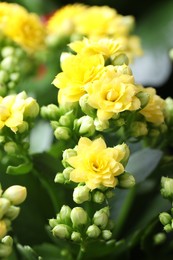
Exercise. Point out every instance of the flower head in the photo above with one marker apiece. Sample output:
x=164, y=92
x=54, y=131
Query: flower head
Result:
x=95, y=164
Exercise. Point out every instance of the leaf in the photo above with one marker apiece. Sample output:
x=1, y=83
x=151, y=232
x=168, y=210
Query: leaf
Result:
x=21, y=169
x=143, y=162
x=27, y=253
x=156, y=32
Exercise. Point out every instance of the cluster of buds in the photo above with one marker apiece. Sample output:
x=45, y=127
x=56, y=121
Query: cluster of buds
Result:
x=12, y=66
x=10, y=199
x=75, y=224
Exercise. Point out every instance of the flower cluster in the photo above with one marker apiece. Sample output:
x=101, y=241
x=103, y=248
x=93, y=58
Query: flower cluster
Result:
x=10, y=199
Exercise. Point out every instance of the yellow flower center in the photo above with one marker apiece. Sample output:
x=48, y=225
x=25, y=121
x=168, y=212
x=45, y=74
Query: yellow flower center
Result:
x=111, y=95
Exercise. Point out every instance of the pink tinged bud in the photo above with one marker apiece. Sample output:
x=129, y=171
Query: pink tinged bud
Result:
x=16, y=194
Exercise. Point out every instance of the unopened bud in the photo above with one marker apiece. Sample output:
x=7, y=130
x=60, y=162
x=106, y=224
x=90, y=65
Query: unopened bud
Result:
x=121, y=59
x=51, y=112
x=79, y=216
x=126, y=180
x=65, y=214
x=86, y=108
x=106, y=234
x=8, y=63
x=143, y=97
x=23, y=127
x=93, y=231
x=101, y=125
x=3, y=229
x=159, y=238
x=7, y=240
x=11, y=148
x=31, y=108
x=167, y=187
x=53, y=222
x=16, y=194
x=62, y=133
x=100, y=218
x=7, y=51
x=124, y=151
x=62, y=231
x=85, y=125
x=81, y=194
x=138, y=128
x=168, y=228
x=12, y=212
x=4, y=205
x=59, y=178
x=165, y=218
x=66, y=172
x=98, y=197
x=76, y=236
x=66, y=155
x=66, y=120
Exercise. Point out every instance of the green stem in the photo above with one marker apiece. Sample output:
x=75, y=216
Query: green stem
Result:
x=124, y=211
x=81, y=252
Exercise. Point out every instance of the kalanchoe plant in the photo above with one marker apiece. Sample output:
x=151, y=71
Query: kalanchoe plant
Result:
x=87, y=150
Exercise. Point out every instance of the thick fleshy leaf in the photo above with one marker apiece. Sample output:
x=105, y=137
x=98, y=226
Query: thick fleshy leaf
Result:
x=21, y=169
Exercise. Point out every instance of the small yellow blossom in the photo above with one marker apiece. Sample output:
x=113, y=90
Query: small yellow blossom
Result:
x=95, y=164
x=3, y=229
x=62, y=22
x=112, y=93
x=154, y=110
x=24, y=28
x=77, y=72
x=12, y=109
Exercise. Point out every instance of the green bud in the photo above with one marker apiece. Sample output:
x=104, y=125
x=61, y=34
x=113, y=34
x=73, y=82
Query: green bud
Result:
x=5, y=251
x=7, y=240
x=59, y=178
x=100, y=219
x=101, y=125
x=67, y=119
x=98, y=197
x=14, y=76
x=169, y=110
x=109, y=194
x=81, y=194
x=93, y=231
x=106, y=234
x=85, y=125
x=138, y=128
x=7, y=51
x=31, y=108
x=3, y=229
x=168, y=228
x=16, y=194
x=3, y=76
x=11, y=148
x=8, y=63
x=119, y=122
x=11, y=84
x=67, y=154
x=4, y=205
x=167, y=187
x=51, y=112
x=53, y=222
x=66, y=172
x=159, y=238
x=143, y=97
x=12, y=212
x=165, y=218
x=86, y=108
x=79, y=216
x=23, y=127
x=171, y=54
x=121, y=59
x=62, y=133
x=76, y=236
x=154, y=133
x=126, y=180
x=65, y=214
x=54, y=124
x=123, y=69
x=62, y=231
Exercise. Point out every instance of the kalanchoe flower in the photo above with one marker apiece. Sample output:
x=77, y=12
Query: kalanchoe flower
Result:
x=100, y=166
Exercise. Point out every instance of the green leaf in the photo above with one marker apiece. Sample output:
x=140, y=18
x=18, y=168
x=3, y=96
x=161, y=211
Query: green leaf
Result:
x=143, y=162
x=21, y=169
x=27, y=253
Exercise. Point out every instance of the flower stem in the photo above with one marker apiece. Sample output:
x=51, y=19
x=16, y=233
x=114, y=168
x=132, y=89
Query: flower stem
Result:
x=81, y=252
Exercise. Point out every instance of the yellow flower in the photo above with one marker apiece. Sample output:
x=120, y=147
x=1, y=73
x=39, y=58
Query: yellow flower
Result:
x=62, y=22
x=25, y=28
x=78, y=71
x=12, y=109
x=112, y=93
x=153, y=111
x=95, y=164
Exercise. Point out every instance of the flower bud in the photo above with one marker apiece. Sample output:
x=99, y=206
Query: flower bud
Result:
x=66, y=172
x=23, y=127
x=98, y=197
x=7, y=51
x=85, y=125
x=7, y=240
x=8, y=63
x=5, y=251
x=168, y=228
x=169, y=110
x=125, y=151
x=123, y=69
x=4, y=205
x=126, y=180
x=109, y=194
x=167, y=187
x=86, y=108
x=138, y=128
x=62, y=133
x=51, y=112
x=53, y=222
x=59, y=178
x=100, y=218
x=106, y=234
x=165, y=218
x=67, y=154
x=15, y=194
x=66, y=120
x=12, y=212
x=3, y=229
x=11, y=148
x=159, y=238
x=101, y=125
x=121, y=59
x=93, y=231
x=76, y=236
x=81, y=194
x=31, y=108
x=143, y=97
x=65, y=214
x=62, y=231
x=79, y=216
x=3, y=76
